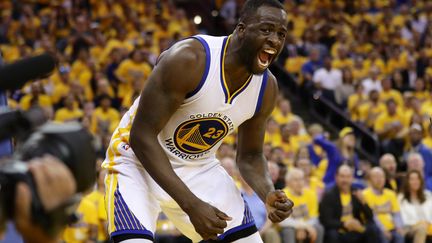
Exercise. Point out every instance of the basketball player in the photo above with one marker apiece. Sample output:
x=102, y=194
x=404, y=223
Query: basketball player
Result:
x=162, y=155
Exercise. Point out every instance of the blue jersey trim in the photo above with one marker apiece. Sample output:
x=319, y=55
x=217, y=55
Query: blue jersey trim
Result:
x=207, y=66
x=221, y=69
x=235, y=229
x=138, y=232
x=262, y=91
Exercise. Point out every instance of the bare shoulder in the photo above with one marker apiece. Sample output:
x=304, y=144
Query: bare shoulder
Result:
x=183, y=63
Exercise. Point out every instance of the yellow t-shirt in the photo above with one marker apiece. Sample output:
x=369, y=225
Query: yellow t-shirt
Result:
x=343, y=63
x=97, y=198
x=289, y=148
x=347, y=210
x=426, y=108
x=428, y=142
x=107, y=120
x=383, y=206
x=60, y=91
x=128, y=71
x=385, y=120
x=294, y=64
x=43, y=101
x=305, y=205
x=64, y=115
x=391, y=94
x=273, y=139
x=316, y=184
x=369, y=113
x=421, y=95
x=354, y=102
x=87, y=217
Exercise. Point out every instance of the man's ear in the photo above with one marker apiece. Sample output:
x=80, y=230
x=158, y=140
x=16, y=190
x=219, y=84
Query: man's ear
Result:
x=241, y=27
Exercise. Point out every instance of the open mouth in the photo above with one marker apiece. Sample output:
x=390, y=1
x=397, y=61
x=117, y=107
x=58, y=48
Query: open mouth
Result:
x=265, y=57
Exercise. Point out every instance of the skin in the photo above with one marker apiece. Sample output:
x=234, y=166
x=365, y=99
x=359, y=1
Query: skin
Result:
x=170, y=81
x=377, y=178
x=388, y=163
x=55, y=185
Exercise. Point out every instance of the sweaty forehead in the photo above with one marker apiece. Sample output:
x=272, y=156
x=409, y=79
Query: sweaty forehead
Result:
x=268, y=14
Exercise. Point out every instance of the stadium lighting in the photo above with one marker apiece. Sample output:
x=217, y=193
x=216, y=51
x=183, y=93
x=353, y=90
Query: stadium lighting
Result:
x=197, y=19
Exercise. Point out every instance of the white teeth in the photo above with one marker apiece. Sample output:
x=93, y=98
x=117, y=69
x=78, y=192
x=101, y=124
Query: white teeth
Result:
x=270, y=51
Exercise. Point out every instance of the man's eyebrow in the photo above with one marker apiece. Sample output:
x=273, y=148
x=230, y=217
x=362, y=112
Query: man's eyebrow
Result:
x=272, y=24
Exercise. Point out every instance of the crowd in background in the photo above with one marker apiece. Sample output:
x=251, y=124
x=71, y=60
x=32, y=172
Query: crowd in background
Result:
x=371, y=58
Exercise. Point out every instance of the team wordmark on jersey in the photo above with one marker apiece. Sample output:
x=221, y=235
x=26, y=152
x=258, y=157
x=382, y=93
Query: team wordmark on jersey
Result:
x=194, y=138
x=199, y=135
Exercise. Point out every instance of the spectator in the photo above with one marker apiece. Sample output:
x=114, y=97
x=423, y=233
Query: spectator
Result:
x=230, y=166
x=419, y=90
x=309, y=68
x=369, y=111
x=283, y=113
x=310, y=181
x=272, y=135
x=385, y=207
x=344, y=214
x=274, y=171
x=287, y=144
x=373, y=82
x=389, y=93
x=355, y=101
x=70, y=112
x=133, y=68
x=416, y=204
x=415, y=162
x=415, y=138
x=97, y=197
x=388, y=163
x=327, y=79
x=391, y=129
x=36, y=96
x=344, y=154
x=105, y=118
x=86, y=228
x=346, y=89
x=303, y=225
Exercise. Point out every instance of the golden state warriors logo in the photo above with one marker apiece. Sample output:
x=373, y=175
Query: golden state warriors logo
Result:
x=199, y=135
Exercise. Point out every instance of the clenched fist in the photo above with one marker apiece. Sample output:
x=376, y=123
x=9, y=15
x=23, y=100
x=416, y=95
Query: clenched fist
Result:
x=279, y=207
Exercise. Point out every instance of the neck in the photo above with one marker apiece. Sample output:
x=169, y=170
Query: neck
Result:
x=413, y=194
x=235, y=68
x=377, y=190
x=345, y=191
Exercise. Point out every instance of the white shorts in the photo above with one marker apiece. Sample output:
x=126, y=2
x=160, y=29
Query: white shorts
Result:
x=134, y=201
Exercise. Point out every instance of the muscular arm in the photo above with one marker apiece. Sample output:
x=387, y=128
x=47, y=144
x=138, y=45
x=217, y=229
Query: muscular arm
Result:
x=165, y=91
x=250, y=158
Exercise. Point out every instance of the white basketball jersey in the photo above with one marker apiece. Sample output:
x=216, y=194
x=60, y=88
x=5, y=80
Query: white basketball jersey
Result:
x=208, y=114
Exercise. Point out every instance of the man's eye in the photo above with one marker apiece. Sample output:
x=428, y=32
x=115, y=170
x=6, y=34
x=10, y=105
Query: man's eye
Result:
x=265, y=31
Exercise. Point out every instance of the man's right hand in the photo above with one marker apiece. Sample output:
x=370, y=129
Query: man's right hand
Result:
x=208, y=220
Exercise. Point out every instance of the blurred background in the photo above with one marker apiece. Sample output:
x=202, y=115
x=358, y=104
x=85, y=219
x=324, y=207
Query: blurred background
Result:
x=355, y=80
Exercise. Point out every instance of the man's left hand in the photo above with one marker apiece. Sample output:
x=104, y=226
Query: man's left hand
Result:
x=279, y=207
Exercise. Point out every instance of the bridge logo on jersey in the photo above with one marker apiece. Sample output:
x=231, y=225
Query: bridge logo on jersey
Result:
x=199, y=135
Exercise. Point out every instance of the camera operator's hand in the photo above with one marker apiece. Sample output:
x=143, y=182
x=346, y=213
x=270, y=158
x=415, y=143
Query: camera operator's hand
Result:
x=55, y=185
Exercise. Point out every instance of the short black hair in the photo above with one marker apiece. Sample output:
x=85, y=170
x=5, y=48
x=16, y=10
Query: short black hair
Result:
x=251, y=6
